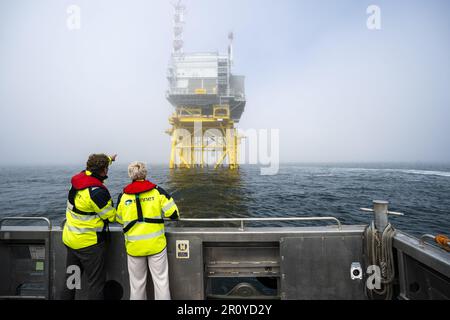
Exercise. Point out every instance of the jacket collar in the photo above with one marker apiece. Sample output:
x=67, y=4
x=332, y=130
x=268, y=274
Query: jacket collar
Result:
x=83, y=180
x=139, y=186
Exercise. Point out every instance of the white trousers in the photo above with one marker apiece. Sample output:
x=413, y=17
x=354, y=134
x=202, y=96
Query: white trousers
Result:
x=159, y=268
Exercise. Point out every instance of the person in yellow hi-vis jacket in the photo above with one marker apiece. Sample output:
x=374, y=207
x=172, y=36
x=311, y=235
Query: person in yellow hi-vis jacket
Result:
x=141, y=209
x=89, y=211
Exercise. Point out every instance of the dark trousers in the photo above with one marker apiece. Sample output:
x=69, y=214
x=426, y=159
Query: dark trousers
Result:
x=91, y=261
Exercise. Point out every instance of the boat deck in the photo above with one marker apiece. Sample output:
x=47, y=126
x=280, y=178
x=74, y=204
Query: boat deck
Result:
x=231, y=263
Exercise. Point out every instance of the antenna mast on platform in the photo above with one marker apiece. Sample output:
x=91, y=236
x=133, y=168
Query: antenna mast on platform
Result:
x=178, y=27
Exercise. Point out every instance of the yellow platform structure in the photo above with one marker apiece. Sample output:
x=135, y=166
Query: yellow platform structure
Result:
x=208, y=99
x=199, y=140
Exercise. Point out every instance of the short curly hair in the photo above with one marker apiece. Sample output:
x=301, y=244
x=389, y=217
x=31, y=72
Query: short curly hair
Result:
x=97, y=162
x=137, y=171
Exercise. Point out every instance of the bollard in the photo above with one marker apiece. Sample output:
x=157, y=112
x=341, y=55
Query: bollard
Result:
x=380, y=210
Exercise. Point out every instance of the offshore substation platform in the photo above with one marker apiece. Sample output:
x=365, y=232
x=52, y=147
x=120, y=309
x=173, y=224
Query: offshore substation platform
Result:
x=208, y=99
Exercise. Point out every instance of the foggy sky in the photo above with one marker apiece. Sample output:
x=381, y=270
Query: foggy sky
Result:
x=336, y=90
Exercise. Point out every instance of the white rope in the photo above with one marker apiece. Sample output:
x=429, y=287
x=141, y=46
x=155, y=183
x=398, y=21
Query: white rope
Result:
x=379, y=253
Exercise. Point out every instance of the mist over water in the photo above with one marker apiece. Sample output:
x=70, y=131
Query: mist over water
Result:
x=336, y=90
x=421, y=191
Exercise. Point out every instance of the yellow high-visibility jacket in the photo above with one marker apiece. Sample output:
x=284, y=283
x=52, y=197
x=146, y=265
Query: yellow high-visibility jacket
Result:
x=141, y=209
x=89, y=210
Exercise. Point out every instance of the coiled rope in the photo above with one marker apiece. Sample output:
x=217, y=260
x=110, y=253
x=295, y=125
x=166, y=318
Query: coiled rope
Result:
x=379, y=253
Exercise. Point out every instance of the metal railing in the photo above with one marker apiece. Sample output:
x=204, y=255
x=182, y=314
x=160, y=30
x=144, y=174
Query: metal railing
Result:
x=27, y=218
x=242, y=220
x=208, y=91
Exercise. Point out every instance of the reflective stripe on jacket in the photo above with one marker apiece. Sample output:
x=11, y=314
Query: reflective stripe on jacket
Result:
x=141, y=210
x=89, y=210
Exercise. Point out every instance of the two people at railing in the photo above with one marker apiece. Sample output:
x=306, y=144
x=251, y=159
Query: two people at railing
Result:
x=141, y=209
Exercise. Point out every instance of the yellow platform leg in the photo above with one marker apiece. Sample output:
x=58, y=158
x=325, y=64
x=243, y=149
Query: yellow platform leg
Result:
x=189, y=148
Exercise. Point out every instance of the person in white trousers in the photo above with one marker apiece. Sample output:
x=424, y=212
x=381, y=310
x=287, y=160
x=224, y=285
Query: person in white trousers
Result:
x=137, y=269
x=141, y=209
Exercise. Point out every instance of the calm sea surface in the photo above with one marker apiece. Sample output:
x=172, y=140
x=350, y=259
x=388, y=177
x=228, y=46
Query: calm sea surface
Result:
x=421, y=191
